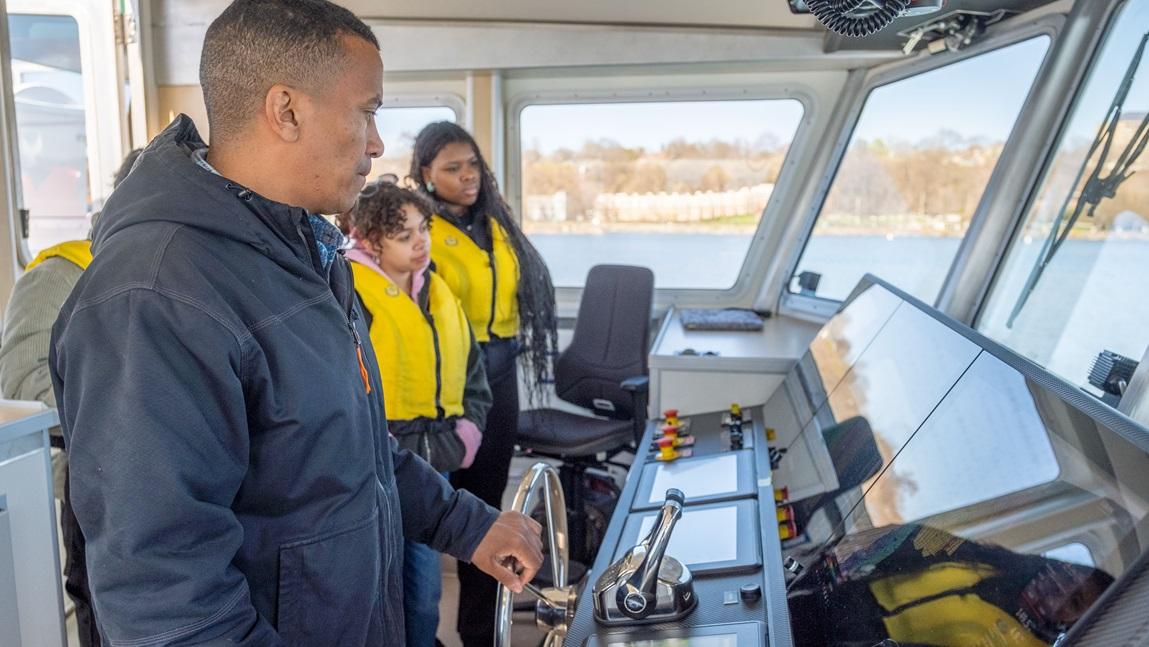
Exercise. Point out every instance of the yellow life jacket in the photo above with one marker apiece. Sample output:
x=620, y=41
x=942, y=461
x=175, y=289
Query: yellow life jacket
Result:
x=422, y=361
x=486, y=282
x=76, y=251
x=961, y=618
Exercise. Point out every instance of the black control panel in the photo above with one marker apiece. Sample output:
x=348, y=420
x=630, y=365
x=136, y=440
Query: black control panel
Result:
x=735, y=560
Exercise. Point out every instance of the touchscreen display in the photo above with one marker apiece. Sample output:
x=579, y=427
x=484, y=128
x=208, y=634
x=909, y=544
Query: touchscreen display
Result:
x=696, y=477
x=721, y=640
x=844, y=338
x=838, y=344
x=701, y=536
x=893, y=386
x=915, y=359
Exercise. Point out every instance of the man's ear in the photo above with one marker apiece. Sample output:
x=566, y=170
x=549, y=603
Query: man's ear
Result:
x=280, y=111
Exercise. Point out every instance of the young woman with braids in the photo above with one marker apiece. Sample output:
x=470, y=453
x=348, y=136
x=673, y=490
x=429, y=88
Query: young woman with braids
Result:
x=507, y=294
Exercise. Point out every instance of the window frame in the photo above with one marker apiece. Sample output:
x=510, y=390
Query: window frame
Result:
x=820, y=309
x=104, y=129
x=425, y=100
x=747, y=283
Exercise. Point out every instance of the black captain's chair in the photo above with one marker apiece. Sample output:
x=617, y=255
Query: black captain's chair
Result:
x=603, y=370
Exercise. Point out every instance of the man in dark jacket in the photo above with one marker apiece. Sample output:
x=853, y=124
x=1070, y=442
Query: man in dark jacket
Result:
x=231, y=467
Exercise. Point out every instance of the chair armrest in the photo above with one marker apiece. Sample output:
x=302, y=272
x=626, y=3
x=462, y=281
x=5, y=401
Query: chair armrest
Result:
x=637, y=387
x=637, y=384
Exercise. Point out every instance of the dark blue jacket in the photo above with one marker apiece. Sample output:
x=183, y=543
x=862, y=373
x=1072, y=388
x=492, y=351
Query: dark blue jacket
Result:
x=234, y=480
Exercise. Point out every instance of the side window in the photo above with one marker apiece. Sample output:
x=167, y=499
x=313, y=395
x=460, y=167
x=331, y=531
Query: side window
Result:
x=676, y=186
x=1074, y=281
x=913, y=172
x=50, y=124
x=398, y=128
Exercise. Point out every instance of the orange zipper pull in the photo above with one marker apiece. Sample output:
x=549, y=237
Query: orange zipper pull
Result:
x=363, y=370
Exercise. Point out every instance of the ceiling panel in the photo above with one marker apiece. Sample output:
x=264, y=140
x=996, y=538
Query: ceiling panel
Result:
x=725, y=13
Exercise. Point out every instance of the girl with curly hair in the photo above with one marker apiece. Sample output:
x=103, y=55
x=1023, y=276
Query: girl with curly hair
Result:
x=434, y=384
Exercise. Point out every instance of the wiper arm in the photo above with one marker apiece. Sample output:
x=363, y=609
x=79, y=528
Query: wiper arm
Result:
x=1096, y=187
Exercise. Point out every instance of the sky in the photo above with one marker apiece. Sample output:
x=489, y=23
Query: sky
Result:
x=398, y=126
x=978, y=98
x=998, y=84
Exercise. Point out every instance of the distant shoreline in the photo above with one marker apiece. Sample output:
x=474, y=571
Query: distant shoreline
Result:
x=588, y=229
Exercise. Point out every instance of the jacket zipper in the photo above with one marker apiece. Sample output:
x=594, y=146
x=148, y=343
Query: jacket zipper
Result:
x=494, y=290
x=438, y=367
x=438, y=381
x=351, y=317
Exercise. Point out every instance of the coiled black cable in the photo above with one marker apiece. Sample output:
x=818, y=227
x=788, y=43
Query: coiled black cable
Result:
x=849, y=18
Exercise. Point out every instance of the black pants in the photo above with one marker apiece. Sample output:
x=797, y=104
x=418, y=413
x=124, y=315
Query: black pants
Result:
x=76, y=572
x=486, y=478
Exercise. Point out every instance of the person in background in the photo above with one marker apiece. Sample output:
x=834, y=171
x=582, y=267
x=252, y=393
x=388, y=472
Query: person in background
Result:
x=219, y=396
x=507, y=294
x=36, y=300
x=434, y=386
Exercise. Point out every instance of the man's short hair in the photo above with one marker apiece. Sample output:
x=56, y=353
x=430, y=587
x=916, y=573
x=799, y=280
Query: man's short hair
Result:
x=255, y=44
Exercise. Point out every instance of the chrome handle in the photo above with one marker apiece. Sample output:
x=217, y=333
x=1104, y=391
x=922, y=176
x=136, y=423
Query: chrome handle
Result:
x=637, y=597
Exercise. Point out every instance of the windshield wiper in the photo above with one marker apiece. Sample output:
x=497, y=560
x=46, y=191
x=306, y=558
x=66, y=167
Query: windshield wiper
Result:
x=1097, y=187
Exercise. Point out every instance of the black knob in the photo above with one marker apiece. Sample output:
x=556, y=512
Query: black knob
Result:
x=735, y=439
x=750, y=593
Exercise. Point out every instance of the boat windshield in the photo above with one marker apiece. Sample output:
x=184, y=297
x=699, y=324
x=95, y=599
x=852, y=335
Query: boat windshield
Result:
x=1073, y=282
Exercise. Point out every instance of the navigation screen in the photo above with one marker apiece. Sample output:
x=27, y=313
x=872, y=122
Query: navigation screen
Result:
x=722, y=640
x=844, y=338
x=892, y=387
x=695, y=541
x=831, y=354
x=697, y=477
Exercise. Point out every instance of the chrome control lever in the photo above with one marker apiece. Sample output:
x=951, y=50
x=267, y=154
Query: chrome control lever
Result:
x=636, y=597
x=647, y=585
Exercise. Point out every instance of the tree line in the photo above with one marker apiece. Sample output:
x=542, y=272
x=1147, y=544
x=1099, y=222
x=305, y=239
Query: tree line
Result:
x=940, y=176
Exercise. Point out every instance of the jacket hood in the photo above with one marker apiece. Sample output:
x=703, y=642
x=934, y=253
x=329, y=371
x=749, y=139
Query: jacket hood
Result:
x=167, y=185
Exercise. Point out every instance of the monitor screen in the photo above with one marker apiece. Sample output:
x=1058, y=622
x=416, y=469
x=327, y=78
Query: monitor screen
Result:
x=1000, y=519
x=721, y=640
x=889, y=390
x=738, y=634
x=818, y=372
x=697, y=478
x=844, y=338
x=694, y=540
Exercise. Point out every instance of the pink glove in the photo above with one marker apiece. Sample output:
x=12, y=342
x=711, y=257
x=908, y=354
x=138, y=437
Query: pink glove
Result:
x=471, y=437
